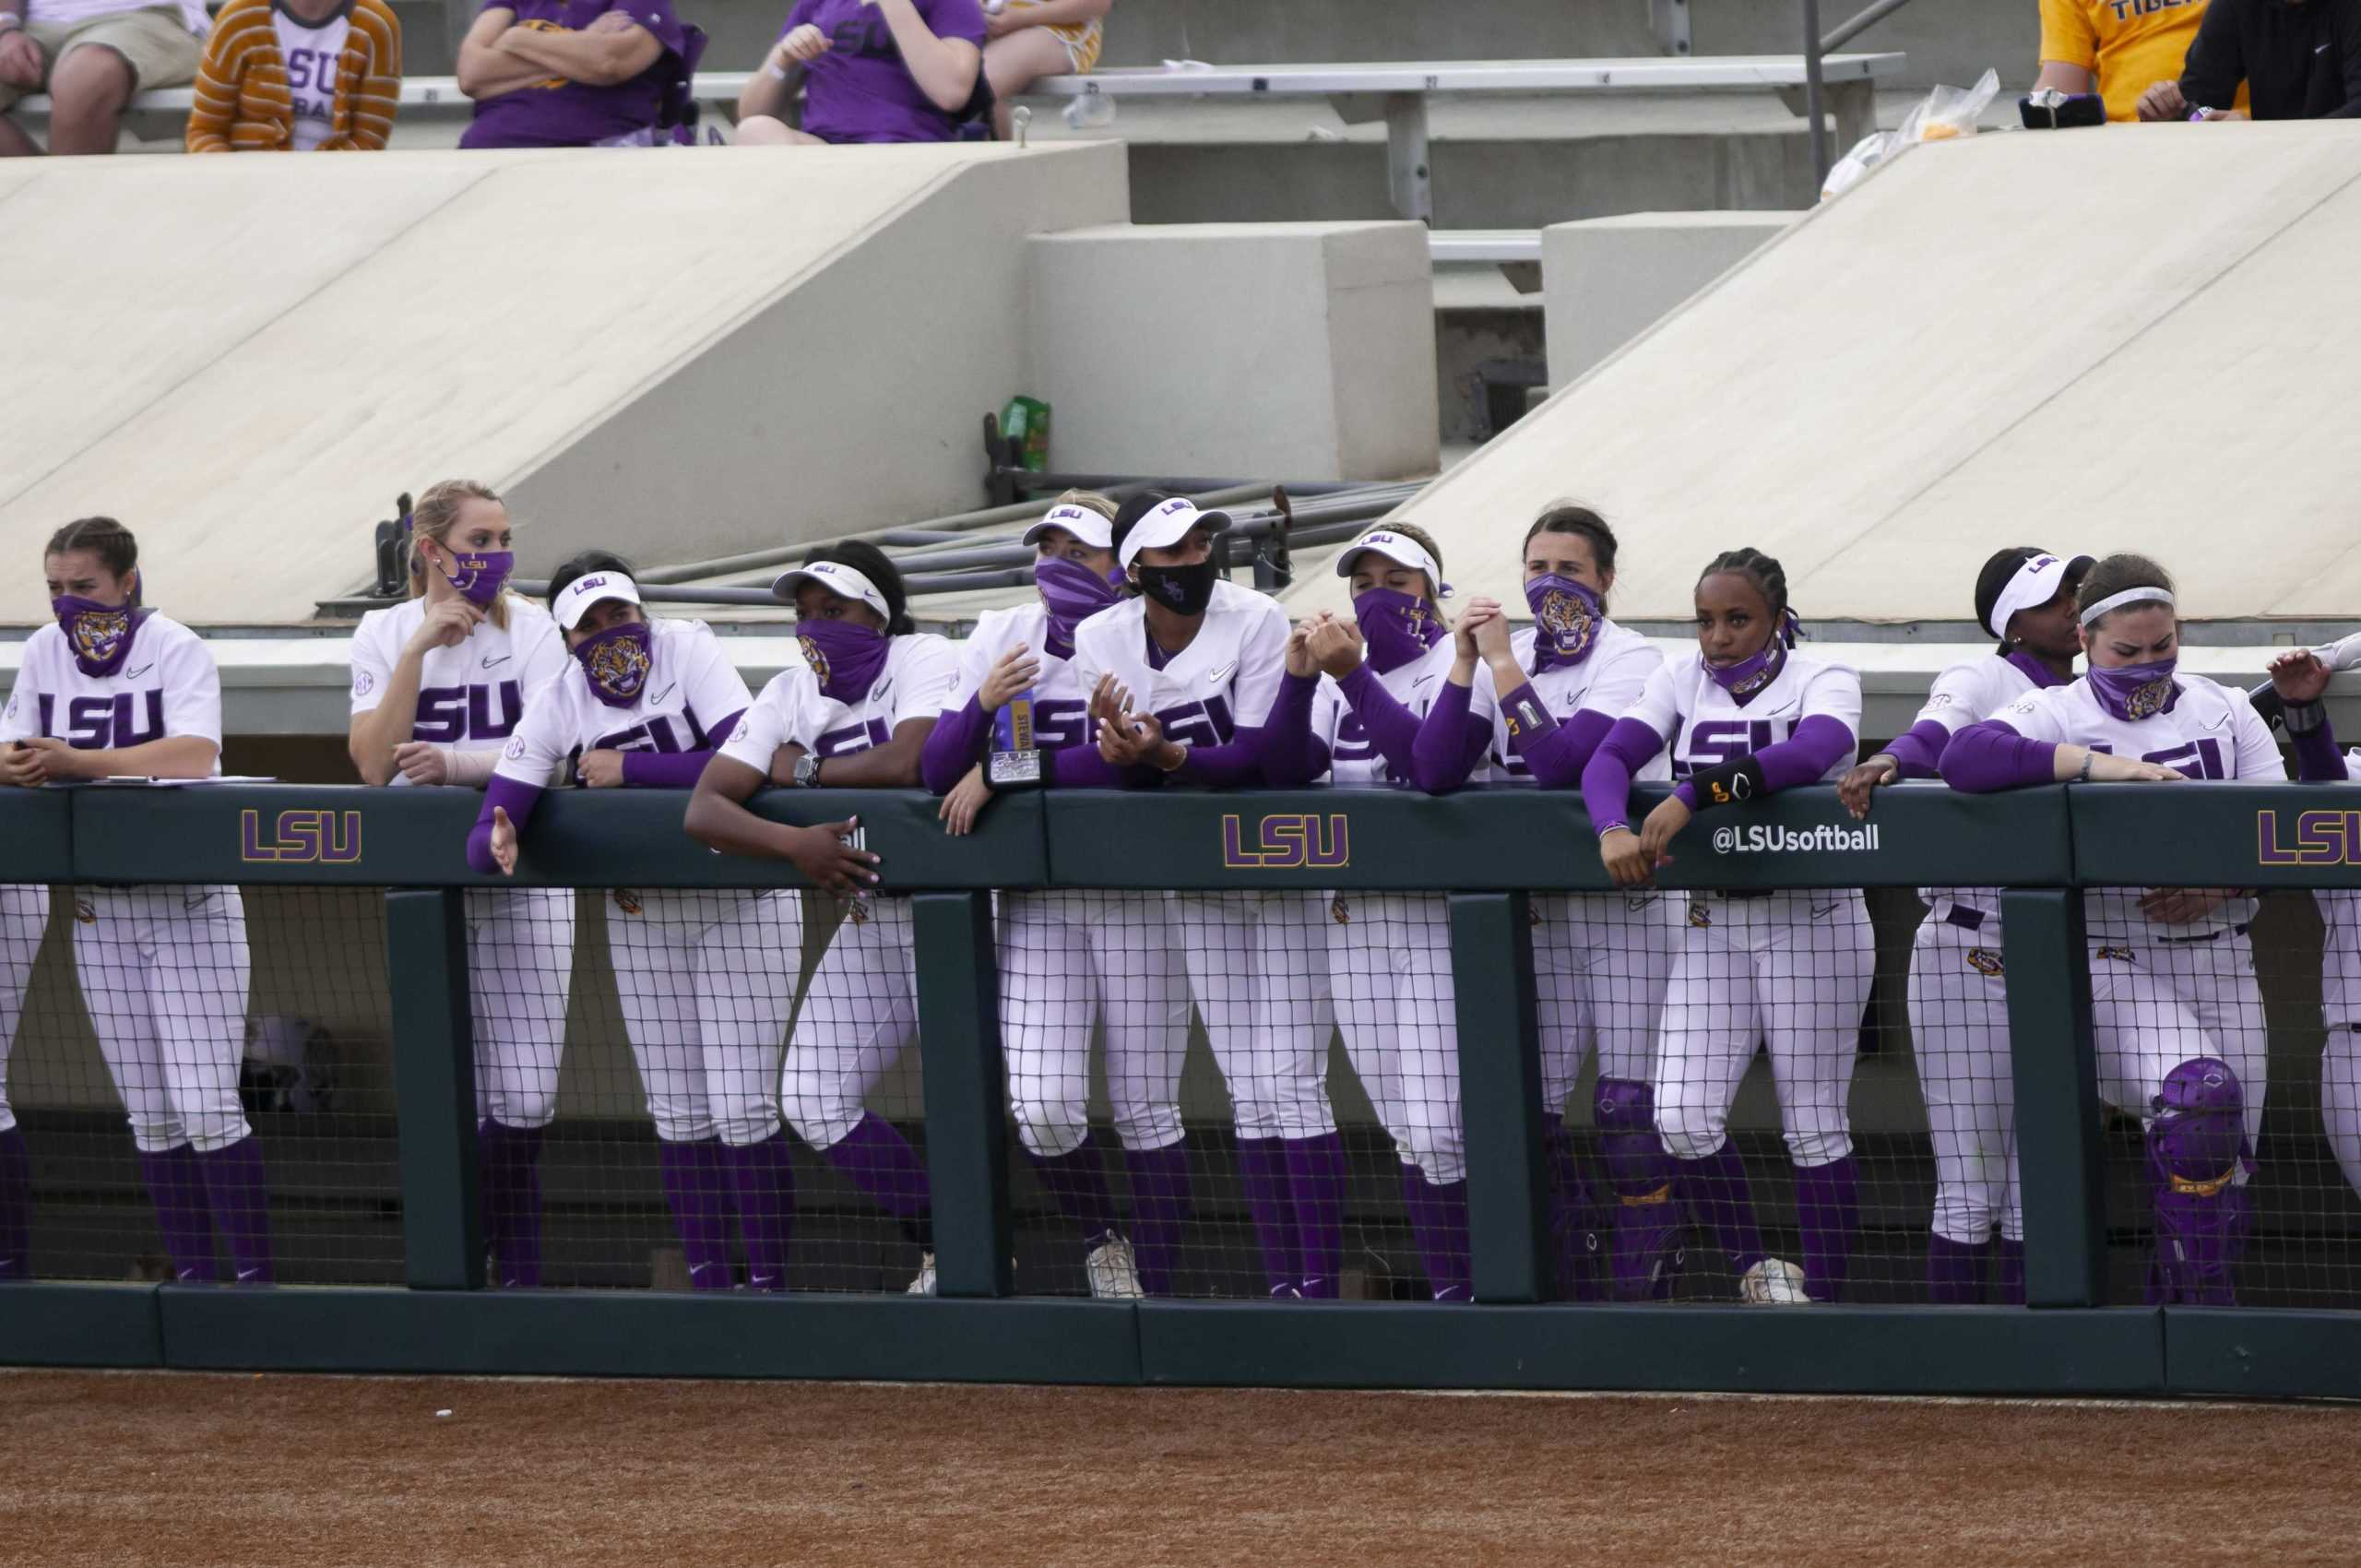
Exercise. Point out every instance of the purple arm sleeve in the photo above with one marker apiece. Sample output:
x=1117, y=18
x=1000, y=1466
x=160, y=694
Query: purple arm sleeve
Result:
x=673, y=770
x=1283, y=750
x=1990, y=756
x=1081, y=768
x=1803, y=757
x=506, y=794
x=953, y=746
x=1606, y=778
x=1920, y=749
x=1391, y=727
x=1557, y=756
x=2317, y=759
x=1225, y=767
x=1450, y=742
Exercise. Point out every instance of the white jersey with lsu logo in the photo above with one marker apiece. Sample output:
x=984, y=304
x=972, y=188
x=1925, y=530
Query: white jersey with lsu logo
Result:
x=690, y=686
x=1969, y=692
x=1060, y=701
x=1703, y=726
x=915, y=682
x=471, y=695
x=1352, y=757
x=168, y=685
x=2211, y=731
x=1225, y=680
x=1608, y=681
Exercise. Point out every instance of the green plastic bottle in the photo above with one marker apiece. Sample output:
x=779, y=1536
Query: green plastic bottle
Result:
x=1026, y=425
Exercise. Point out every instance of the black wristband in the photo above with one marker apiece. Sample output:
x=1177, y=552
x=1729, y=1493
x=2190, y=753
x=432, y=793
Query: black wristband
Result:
x=1526, y=714
x=2304, y=719
x=1727, y=782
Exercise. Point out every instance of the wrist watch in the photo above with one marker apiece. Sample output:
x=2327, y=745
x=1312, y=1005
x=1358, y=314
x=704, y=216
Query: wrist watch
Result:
x=807, y=772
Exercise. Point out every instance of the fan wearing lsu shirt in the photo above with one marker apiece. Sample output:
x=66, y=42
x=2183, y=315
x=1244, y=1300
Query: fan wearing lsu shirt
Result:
x=641, y=706
x=2301, y=680
x=855, y=714
x=2176, y=1014
x=112, y=689
x=1747, y=716
x=1185, y=679
x=1389, y=954
x=1601, y=961
x=1958, y=998
x=438, y=687
x=1062, y=961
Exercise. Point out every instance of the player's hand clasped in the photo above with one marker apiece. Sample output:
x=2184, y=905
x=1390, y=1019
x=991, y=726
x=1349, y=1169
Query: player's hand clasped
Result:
x=834, y=866
x=1128, y=738
x=1854, y=787
x=601, y=769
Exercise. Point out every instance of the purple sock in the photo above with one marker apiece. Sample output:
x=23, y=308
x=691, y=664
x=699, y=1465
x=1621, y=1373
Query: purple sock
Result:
x=240, y=1203
x=1573, y=1216
x=1645, y=1244
x=1263, y=1170
x=16, y=1207
x=1077, y=1184
x=1828, y=1208
x=762, y=1181
x=2012, y=1272
x=510, y=1158
x=1159, y=1204
x=1714, y=1189
x=1316, y=1185
x=176, y=1187
x=693, y=1183
x=1955, y=1272
x=1439, y=1221
x=882, y=1163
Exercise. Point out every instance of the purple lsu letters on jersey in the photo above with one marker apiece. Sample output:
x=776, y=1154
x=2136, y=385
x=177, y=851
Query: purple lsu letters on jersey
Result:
x=126, y=718
x=447, y=715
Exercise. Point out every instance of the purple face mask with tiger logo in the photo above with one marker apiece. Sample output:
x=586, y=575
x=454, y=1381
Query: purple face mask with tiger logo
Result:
x=618, y=661
x=1565, y=621
x=99, y=635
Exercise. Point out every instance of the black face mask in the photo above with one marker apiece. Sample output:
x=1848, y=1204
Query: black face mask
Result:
x=1184, y=591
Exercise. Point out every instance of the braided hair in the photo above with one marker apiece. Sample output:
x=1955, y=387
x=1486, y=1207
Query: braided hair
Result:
x=108, y=539
x=1770, y=580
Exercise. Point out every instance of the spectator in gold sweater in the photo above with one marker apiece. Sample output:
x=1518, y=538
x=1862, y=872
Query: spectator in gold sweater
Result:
x=299, y=75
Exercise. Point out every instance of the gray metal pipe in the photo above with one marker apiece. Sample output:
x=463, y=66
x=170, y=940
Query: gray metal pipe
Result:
x=1844, y=32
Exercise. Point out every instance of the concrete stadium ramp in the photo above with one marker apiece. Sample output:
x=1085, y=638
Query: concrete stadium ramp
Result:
x=676, y=354
x=2128, y=338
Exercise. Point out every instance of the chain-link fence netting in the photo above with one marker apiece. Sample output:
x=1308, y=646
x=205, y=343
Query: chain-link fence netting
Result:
x=201, y=1085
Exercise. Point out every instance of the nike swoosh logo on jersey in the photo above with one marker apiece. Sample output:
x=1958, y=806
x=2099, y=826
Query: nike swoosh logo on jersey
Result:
x=1425, y=680
x=1820, y=912
x=489, y=661
x=667, y=691
x=135, y=674
x=1222, y=674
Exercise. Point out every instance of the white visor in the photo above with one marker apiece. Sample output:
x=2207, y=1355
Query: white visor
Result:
x=574, y=600
x=2128, y=596
x=1167, y=526
x=838, y=579
x=1080, y=521
x=1398, y=548
x=2037, y=583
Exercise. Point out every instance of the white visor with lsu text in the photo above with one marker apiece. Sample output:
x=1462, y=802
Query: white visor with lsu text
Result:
x=574, y=600
x=838, y=579
x=1091, y=528
x=1167, y=526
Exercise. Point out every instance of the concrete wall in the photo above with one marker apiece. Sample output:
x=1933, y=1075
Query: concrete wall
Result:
x=1605, y=281
x=1292, y=350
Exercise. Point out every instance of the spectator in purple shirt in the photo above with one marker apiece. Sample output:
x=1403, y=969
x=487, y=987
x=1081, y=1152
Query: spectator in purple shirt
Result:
x=876, y=71
x=568, y=72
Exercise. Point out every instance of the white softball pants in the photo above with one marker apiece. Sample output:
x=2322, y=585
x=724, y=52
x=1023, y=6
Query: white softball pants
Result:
x=1601, y=964
x=520, y=964
x=164, y=972
x=1957, y=1005
x=1791, y=970
x=2340, y=1010
x=1389, y=967
x=707, y=980
x=1066, y=961
x=24, y=915
x=2155, y=1004
x=859, y=1012
x=1258, y=967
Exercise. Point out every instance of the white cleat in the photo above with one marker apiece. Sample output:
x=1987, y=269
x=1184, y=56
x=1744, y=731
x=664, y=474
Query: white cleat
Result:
x=924, y=1284
x=1114, y=1273
x=1773, y=1282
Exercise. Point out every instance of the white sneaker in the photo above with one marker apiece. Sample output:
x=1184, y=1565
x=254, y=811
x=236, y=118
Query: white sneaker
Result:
x=1114, y=1273
x=1773, y=1282
x=924, y=1284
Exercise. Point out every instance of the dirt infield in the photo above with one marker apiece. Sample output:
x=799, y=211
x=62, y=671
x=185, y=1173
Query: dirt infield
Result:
x=127, y=1469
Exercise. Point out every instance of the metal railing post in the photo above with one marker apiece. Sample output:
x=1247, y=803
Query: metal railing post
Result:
x=1500, y=1089
x=434, y=1089
x=1815, y=95
x=966, y=1095
x=2062, y=1164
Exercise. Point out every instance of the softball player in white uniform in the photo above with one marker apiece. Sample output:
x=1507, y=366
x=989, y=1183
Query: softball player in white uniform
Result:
x=1601, y=961
x=1186, y=678
x=112, y=689
x=1748, y=715
x=1389, y=954
x=438, y=687
x=2176, y=1016
x=705, y=978
x=855, y=713
x=1062, y=961
x=1958, y=997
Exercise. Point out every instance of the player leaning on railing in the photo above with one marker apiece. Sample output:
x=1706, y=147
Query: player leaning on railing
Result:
x=1018, y=718
x=2176, y=1014
x=642, y=704
x=1185, y=679
x=1958, y=996
x=115, y=689
x=439, y=683
x=855, y=714
x=1599, y=960
x=1745, y=717
x=1389, y=954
